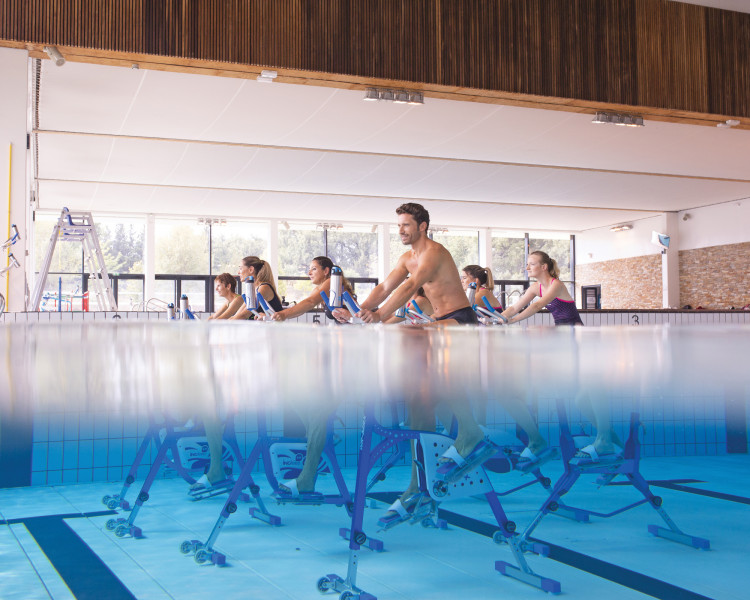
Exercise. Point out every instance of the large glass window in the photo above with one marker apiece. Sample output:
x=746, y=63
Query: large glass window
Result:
x=463, y=245
x=508, y=260
x=231, y=242
x=299, y=243
x=355, y=250
x=558, y=247
x=181, y=246
x=121, y=239
x=396, y=249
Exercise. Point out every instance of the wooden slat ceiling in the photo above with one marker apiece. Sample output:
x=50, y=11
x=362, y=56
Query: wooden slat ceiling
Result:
x=674, y=61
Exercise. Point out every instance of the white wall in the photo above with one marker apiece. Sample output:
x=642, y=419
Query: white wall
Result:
x=13, y=120
x=718, y=225
x=598, y=245
x=727, y=223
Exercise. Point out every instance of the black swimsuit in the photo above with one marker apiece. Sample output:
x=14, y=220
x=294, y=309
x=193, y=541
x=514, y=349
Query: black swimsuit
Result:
x=465, y=316
x=274, y=302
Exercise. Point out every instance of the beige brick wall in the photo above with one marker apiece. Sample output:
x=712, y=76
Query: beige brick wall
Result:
x=716, y=277
x=626, y=283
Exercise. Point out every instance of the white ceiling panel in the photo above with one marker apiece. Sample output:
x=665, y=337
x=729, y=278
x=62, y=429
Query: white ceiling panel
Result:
x=332, y=151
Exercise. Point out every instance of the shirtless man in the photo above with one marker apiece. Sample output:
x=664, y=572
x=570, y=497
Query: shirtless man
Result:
x=428, y=265
x=431, y=266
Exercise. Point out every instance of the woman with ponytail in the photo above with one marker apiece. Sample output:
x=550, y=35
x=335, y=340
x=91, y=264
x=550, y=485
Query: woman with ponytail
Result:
x=553, y=293
x=320, y=276
x=260, y=271
x=483, y=278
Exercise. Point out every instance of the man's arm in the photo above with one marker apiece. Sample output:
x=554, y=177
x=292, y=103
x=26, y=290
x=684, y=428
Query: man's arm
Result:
x=379, y=293
x=428, y=265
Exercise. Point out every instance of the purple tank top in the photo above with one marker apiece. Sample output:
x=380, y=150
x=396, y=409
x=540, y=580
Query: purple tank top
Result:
x=564, y=312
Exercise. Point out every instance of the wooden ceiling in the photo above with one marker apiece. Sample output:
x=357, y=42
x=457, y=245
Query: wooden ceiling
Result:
x=669, y=60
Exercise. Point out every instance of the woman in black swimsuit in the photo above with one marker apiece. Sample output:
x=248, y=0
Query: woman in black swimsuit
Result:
x=260, y=271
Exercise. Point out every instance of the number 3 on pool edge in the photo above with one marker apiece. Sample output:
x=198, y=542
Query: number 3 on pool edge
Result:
x=636, y=321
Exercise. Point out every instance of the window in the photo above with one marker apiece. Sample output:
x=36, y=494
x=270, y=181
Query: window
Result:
x=557, y=248
x=121, y=240
x=396, y=250
x=508, y=260
x=355, y=249
x=181, y=246
x=231, y=242
x=463, y=246
x=298, y=245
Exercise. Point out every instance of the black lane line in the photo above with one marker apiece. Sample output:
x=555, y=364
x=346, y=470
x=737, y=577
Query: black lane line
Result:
x=82, y=570
x=614, y=573
x=675, y=484
x=700, y=492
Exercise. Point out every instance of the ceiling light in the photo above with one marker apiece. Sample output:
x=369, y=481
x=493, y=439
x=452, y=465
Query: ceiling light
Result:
x=625, y=227
x=55, y=55
x=601, y=118
x=401, y=97
x=416, y=98
x=395, y=96
x=618, y=119
x=267, y=76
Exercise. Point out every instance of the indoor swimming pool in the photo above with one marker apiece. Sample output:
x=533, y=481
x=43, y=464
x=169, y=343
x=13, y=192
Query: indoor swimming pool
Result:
x=88, y=410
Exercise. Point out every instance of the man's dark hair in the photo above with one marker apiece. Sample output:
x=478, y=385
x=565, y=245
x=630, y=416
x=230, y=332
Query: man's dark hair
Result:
x=417, y=211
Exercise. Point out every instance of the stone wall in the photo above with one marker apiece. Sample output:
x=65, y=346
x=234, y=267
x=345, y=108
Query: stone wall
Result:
x=716, y=277
x=626, y=283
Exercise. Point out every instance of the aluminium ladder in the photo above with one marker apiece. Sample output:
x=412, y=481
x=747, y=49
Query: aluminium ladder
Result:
x=78, y=226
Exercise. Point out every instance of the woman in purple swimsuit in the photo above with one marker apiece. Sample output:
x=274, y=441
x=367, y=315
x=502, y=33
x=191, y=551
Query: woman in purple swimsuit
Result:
x=607, y=447
x=553, y=293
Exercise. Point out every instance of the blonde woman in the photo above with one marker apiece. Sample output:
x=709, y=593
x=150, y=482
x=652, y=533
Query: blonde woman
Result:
x=485, y=283
x=553, y=293
x=260, y=271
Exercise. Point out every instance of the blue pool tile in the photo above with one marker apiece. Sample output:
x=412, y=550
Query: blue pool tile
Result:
x=114, y=452
x=100, y=426
x=129, y=450
x=70, y=425
x=54, y=477
x=85, y=475
x=114, y=426
x=669, y=436
x=86, y=427
x=41, y=428
x=100, y=474
x=100, y=453
x=39, y=457
x=690, y=433
x=70, y=476
x=70, y=455
x=86, y=454
x=39, y=478
x=114, y=473
x=130, y=428
x=54, y=455
x=56, y=429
